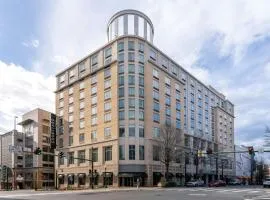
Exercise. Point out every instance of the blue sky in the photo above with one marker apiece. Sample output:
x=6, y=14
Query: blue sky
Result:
x=225, y=44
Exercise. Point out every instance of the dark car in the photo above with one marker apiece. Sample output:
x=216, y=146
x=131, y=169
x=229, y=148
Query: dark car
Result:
x=217, y=183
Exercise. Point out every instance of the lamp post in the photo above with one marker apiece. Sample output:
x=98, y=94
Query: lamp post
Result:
x=105, y=179
x=92, y=162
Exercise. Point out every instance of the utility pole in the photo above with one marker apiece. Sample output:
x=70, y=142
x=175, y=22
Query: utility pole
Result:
x=222, y=166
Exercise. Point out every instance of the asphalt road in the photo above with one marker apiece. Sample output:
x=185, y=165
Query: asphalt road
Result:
x=224, y=193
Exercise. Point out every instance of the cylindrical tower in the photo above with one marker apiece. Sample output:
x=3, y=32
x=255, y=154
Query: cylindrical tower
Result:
x=130, y=22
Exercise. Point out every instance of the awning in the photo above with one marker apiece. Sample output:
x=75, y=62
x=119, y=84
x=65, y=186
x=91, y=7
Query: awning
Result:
x=61, y=175
x=81, y=175
x=169, y=174
x=157, y=174
x=24, y=122
x=107, y=174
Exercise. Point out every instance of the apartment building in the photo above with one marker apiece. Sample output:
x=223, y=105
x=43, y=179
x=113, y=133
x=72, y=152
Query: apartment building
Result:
x=112, y=103
x=37, y=171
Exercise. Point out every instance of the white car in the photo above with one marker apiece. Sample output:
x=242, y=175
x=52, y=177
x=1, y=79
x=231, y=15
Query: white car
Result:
x=266, y=183
x=195, y=183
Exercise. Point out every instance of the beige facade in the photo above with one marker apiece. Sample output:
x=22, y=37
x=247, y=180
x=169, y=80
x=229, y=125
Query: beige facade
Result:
x=118, y=97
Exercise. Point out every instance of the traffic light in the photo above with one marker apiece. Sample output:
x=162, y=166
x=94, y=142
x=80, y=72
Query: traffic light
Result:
x=209, y=151
x=251, y=151
x=61, y=154
x=38, y=151
x=4, y=172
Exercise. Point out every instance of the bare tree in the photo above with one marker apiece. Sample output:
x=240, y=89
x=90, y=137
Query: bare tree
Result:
x=167, y=141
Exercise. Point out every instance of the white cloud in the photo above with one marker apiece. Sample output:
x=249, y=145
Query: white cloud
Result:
x=22, y=91
x=33, y=43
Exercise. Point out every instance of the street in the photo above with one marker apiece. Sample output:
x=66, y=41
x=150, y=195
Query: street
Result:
x=222, y=193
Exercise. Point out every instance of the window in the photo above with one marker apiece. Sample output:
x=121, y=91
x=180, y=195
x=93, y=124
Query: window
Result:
x=155, y=73
x=94, y=90
x=141, y=69
x=81, y=95
x=167, y=81
x=131, y=68
x=168, y=111
x=141, y=115
x=131, y=91
x=70, y=100
x=177, y=96
x=121, y=80
x=131, y=45
x=165, y=63
x=94, y=60
x=70, y=140
x=131, y=131
x=121, y=69
x=107, y=117
x=94, y=100
x=121, y=132
x=156, y=95
x=121, y=103
x=173, y=68
x=107, y=95
x=131, y=56
x=153, y=54
x=81, y=155
x=178, y=106
x=168, y=90
x=107, y=132
x=131, y=79
x=168, y=121
x=156, y=106
x=121, y=92
x=94, y=79
x=156, y=117
x=61, y=104
x=70, y=90
x=121, y=152
x=141, y=103
x=131, y=152
x=81, y=123
x=107, y=106
x=61, y=143
x=156, y=132
x=141, y=81
x=131, y=103
x=81, y=85
x=141, y=58
x=94, y=120
x=178, y=124
x=177, y=87
x=61, y=95
x=178, y=115
x=131, y=114
x=121, y=115
x=81, y=137
x=70, y=158
x=168, y=101
x=155, y=84
x=141, y=132
x=61, y=112
x=107, y=73
x=94, y=135
x=94, y=110
x=121, y=57
x=82, y=67
x=141, y=92
x=141, y=152
x=107, y=84
x=156, y=153
x=62, y=78
x=120, y=46
x=108, y=52
x=70, y=109
x=70, y=118
x=141, y=47
x=108, y=153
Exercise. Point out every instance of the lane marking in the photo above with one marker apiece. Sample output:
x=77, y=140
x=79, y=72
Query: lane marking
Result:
x=197, y=194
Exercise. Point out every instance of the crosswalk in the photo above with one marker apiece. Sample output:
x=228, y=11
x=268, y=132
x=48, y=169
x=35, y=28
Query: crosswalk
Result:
x=222, y=190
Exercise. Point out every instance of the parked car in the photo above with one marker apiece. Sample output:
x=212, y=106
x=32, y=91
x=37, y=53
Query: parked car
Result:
x=266, y=183
x=195, y=183
x=234, y=182
x=217, y=183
